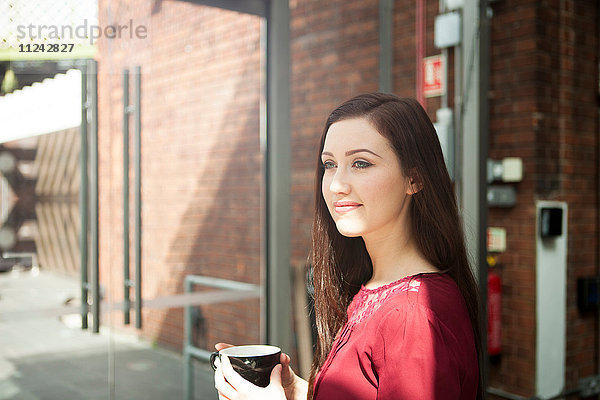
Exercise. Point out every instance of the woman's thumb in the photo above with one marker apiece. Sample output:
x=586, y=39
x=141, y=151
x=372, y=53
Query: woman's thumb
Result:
x=276, y=375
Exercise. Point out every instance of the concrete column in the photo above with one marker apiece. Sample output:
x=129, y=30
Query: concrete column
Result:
x=278, y=177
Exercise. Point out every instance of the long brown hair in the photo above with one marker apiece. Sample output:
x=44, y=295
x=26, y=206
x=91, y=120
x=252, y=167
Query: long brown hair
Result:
x=341, y=264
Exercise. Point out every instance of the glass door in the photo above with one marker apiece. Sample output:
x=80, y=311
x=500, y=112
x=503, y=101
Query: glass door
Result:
x=147, y=136
x=180, y=93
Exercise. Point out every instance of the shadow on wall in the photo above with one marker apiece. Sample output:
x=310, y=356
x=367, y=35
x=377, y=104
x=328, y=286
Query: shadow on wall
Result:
x=220, y=230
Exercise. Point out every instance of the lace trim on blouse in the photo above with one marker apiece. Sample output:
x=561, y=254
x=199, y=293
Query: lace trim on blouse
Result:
x=367, y=301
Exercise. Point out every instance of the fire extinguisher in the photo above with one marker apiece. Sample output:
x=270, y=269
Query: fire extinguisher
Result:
x=494, y=311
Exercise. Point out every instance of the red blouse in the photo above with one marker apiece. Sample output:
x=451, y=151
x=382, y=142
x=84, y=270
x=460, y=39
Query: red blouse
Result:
x=411, y=339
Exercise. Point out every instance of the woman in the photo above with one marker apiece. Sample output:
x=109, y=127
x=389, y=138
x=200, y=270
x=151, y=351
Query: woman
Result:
x=395, y=300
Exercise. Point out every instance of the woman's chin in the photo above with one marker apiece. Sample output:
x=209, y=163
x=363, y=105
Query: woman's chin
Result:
x=349, y=231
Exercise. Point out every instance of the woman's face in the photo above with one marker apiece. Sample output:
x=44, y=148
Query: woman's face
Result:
x=363, y=184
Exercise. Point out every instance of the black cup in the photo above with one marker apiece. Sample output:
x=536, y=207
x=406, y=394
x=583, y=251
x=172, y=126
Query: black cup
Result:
x=253, y=362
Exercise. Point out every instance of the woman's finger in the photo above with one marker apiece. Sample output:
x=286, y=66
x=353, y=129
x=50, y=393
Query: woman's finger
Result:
x=284, y=359
x=287, y=375
x=276, y=376
x=232, y=377
x=220, y=346
x=222, y=386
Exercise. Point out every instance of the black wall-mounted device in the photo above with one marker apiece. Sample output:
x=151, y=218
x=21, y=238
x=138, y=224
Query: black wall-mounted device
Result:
x=551, y=222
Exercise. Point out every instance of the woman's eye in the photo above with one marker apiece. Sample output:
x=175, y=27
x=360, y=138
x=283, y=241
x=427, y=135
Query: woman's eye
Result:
x=328, y=165
x=360, y=164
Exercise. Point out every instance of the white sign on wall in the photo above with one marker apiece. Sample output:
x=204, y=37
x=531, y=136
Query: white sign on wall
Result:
x=434, y=79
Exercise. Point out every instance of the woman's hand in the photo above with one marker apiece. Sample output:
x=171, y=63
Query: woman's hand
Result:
x=295, y=388
x=232, y=386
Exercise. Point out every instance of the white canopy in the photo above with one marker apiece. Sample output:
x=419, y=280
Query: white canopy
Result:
x=44, y=107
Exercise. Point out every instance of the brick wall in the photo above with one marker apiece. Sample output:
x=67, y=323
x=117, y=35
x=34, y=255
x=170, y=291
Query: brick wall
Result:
x=404, y=52
x=513, y=103
x=578, y=153
x=200, y=160
x=334, y=56
x=543, y=108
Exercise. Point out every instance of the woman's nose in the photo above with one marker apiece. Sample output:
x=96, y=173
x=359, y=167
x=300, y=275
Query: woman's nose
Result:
x=339, y=183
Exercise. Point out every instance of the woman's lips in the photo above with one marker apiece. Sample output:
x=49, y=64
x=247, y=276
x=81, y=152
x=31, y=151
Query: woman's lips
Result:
x=345, y=206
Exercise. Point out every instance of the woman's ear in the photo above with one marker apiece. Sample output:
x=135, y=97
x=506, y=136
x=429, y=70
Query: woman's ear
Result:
x=414, y=183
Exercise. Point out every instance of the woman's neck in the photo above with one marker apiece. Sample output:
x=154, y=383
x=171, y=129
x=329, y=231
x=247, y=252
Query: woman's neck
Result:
x=394, y=256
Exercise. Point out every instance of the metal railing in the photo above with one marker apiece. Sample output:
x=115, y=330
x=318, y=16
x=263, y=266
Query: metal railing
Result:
x=135, y=283
x=88, y=196
x=234, y=291
x=22, y=256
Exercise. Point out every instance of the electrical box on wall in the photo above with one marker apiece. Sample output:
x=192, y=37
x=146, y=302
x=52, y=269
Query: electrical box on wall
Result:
x=551, y=222
x=447, y=30
x=588, y=293
x=496, y=239
x=509, y=169
x=501, y=196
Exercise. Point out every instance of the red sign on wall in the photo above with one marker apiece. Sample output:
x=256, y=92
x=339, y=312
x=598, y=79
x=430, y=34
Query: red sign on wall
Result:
x=434, y=81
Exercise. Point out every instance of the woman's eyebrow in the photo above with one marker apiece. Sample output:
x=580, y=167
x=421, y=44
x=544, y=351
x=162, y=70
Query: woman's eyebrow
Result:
x=350, y=152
